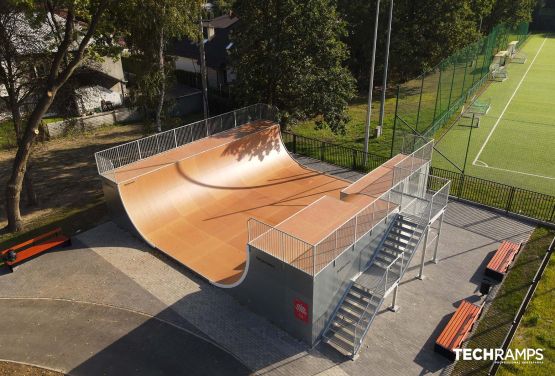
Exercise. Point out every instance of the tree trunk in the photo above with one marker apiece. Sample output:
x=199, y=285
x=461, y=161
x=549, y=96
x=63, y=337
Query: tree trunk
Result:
x=161, y=67
x=15, y=181
x=16, y=118
x=29, y=186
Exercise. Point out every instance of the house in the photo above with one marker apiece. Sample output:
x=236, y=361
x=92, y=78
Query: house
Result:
x=93, y=84
x=186, y=54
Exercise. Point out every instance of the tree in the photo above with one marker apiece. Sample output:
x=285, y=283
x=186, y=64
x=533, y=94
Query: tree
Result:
x=20, y=61
x=511, y=12
x=78, y=28
x=150, y=26
x=289, y=53
x=424, y=32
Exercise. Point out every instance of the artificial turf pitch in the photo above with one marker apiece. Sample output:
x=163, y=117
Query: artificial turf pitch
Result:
x=515, y=142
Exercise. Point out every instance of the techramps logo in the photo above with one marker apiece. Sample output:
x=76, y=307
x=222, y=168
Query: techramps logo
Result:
x=509, y=356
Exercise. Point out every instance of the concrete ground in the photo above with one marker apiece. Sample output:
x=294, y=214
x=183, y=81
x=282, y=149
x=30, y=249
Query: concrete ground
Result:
x=110, y=305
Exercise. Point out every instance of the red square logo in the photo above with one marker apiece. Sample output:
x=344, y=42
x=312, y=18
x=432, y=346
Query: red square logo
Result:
x=301, y=310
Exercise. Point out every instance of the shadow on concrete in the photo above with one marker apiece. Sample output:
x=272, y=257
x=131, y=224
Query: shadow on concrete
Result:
x=427, y=358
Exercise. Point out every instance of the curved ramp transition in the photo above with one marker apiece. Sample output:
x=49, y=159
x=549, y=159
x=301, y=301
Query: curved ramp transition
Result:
x=193, y=202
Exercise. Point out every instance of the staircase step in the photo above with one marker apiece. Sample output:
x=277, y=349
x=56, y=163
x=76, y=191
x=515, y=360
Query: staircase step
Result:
x=348, y=314
x=395, y=235
x=406, y=221
x=355, y=308
x=394, y=248
x=341, y=345
x=343, y=334
x=361, y=291
x=406, y=231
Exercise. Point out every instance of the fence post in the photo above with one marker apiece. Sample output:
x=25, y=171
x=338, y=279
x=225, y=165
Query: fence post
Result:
x=354, y=165
x=294, y=143
x=420, y=100
x=139, y=149
x=395, y=120
x=175, y=137
x=322, y=146
x=511, y=197
x=438, y=94
x=461, y=185
x=452, y=84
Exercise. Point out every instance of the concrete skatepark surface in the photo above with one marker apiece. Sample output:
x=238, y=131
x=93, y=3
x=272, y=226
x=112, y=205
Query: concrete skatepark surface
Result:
x=110, y=303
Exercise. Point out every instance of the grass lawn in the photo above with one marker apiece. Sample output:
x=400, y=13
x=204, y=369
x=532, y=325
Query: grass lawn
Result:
x=354, y=136
x=7, y=132
x=537, y=329
x=66, y=181
x=514, y=143
x=495, y=323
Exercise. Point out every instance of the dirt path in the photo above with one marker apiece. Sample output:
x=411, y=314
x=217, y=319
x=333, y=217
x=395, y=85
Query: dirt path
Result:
x=64, y=172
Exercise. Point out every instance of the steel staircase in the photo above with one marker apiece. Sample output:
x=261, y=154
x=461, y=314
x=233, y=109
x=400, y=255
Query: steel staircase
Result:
x=365, y=296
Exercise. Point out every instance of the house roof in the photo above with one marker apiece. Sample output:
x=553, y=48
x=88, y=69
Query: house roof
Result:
x=215, y=49
x=221, y=22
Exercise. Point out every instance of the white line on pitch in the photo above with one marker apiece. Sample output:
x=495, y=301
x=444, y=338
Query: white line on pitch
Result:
x=508, y=103
x=515, y=172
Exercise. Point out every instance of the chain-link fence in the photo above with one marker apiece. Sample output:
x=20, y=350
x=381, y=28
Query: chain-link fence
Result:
x=427, y=103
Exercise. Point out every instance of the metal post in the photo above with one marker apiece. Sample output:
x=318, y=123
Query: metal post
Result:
x=435, y=259
x=313, y=261
x=423, y=258
x=468, y=143
x=203, y=72
x=139, y=149
x=371, y=85
x=438, y=93
x=394, y=307
x=452, y=82
x=385, y=71
x=395, y=121
x=420, y=101
x=175, y=137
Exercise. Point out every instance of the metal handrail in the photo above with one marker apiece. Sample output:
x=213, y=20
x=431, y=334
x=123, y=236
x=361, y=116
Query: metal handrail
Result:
x=133, y=152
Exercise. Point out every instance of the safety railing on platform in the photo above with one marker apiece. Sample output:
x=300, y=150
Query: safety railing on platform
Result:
x=283, y=246
x=312, y=258
x=125, y=154
x=413, y=161
x=436, y=197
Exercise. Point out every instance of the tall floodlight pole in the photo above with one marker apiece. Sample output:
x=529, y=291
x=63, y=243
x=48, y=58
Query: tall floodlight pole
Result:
x=371, y=85
x=203, y=70
x=385, y=69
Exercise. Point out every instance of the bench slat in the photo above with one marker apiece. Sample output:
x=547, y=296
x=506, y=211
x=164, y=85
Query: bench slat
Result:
x=39, y=248
x=56, y=232
x=458, y=327
x=502, y=259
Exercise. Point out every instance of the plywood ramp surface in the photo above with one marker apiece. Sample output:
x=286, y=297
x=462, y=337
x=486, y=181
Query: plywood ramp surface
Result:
x=193, y=203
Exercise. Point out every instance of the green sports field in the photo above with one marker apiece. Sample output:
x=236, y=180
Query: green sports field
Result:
x=515, y=142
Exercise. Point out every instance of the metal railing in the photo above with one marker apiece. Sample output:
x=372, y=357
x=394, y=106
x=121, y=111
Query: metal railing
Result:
x=130, y=152
x=281, y=245
x=396, y=268
x=312, y=258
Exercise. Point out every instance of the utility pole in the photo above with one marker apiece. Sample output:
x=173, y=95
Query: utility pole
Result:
x=371, y=85
x=379, y=129
x=203, y=71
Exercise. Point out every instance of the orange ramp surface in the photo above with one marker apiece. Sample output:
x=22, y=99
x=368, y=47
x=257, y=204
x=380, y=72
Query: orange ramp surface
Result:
x=193, y=202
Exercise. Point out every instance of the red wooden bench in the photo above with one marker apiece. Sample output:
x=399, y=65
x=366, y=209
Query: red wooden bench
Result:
x=457, y=329
x=33, y=247
x=502, y=259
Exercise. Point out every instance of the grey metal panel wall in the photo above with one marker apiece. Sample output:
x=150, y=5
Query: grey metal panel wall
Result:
x=332, y=282
x=270, y=289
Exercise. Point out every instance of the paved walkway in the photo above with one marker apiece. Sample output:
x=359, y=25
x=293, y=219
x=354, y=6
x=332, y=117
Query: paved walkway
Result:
x=110, y=305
